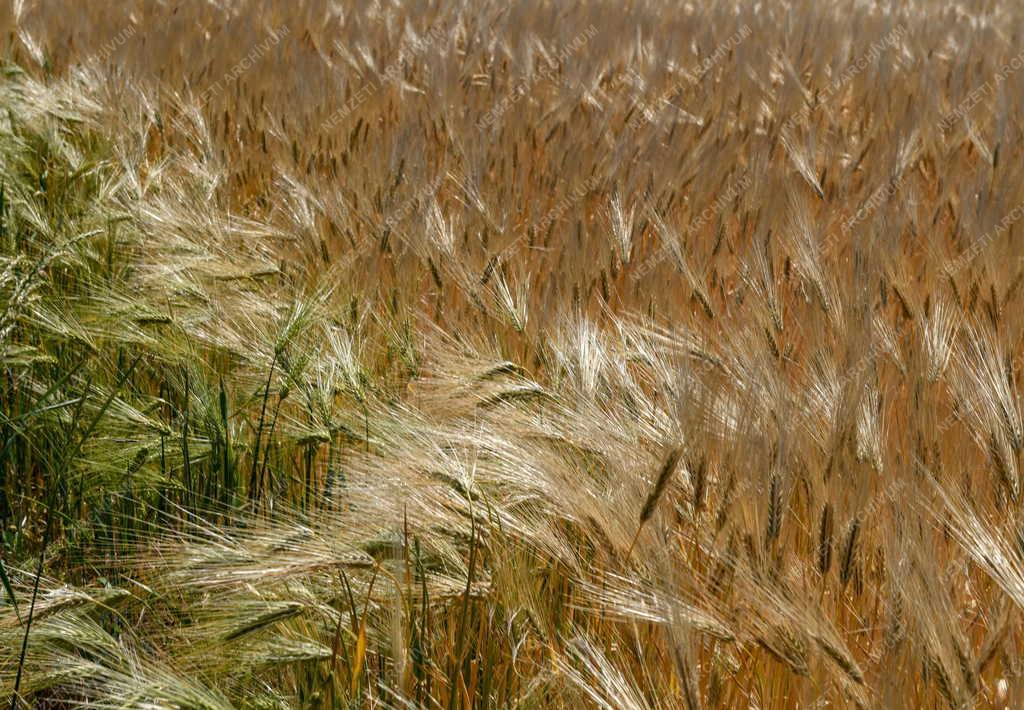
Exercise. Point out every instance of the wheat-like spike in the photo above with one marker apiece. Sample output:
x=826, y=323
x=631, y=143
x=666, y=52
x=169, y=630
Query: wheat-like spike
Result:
x=849, y=552
x=787, y=647
x=825, y=540
x=668, y=468
x=995, y=638
x=943, y=682
x=842, y=658
x=774, y=508
x=699, y=484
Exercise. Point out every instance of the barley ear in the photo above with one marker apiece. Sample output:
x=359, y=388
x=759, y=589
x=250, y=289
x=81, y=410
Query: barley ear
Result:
x=660, y=485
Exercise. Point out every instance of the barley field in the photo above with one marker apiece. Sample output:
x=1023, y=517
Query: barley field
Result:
x=532, y=354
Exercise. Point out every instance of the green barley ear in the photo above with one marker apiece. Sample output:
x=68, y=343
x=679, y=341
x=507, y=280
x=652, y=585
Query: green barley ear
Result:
x=272, y=613
x=138, y=461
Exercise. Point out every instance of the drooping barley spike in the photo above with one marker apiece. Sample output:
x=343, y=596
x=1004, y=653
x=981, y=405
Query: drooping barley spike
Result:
x=842, y=658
